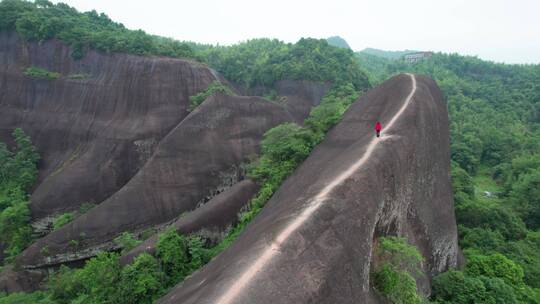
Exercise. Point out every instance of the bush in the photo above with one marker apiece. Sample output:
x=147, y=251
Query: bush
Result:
x=396, y=286
x=62, y=220
x=480, y=238
x=85, y=207
x=495, y=218
x=40, y=73
x=526, y=253
x=331, y=109
x=457, y=288
x=393, y=277
x=495, y=266
x=26, y=298
x=126, y=241
x=18, y=172
x=213, y=88
x=172, y=252
x=142, y=281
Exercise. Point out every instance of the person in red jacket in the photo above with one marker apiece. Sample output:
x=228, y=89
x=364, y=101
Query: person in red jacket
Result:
x=378, y=128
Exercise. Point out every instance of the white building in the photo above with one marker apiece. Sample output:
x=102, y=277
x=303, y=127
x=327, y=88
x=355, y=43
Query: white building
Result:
x=415, y=57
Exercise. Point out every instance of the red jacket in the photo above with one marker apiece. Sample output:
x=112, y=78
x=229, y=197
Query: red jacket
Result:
x=378, y=126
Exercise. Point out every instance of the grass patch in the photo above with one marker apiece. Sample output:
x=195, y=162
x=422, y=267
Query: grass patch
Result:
x=213, y=88
x=40, y=73
x=62, y=220
x=81, y=76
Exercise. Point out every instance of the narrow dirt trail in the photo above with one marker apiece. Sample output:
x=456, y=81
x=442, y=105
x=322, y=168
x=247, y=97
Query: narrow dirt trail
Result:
x=270, y=252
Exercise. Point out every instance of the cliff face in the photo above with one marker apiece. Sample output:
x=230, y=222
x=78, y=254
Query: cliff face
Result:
x=313, y=241
x=113, y=130
x=97, y=124
x=198, y=159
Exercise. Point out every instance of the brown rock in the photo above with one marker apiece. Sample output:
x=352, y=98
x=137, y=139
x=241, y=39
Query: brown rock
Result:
x=313, y=241
x=97, y=124
x=212, y=220
x=199, y=158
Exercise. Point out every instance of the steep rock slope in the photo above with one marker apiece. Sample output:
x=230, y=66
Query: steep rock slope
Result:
x=313, y=241
x=211, y=221
x=98, y=123
x=198, y=159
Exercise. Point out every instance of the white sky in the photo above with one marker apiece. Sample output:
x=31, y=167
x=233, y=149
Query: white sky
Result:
x=498, y=30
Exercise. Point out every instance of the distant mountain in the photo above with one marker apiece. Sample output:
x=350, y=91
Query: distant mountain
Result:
x=338, y=41
x=386, y=54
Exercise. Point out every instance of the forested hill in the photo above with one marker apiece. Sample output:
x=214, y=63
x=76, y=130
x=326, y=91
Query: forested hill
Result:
x=494, y=127
x=257, y=62
x=495, y=141
x=386, y=54
x=338, y=41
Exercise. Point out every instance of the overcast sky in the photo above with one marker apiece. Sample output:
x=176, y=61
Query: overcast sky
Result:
x=498, y=30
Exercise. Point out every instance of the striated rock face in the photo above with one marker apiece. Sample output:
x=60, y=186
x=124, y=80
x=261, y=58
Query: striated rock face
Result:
x=313, y=241
x=198, y=159
x=210, y=221
x=114, y=130
x=97, y=124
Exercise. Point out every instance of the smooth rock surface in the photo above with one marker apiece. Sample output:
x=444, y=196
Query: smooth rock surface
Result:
x=96, y=125
x=211, y=221
x=301, y=250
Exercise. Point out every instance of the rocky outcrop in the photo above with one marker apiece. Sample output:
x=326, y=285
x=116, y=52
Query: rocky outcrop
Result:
x=98, y=123
x=211, y=221
x=113, y=129
x=313, y=241
x=19, y=281
x=199, y=158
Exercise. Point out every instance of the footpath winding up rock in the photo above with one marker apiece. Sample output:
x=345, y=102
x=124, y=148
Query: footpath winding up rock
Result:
x=199, y=158
x=314, y=240
x=113, y=129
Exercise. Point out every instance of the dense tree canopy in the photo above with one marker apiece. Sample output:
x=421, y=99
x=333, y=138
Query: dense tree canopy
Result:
x=495, y=147
x=18, y=172
x=261, y=62
x=495, y=141
x=42, y=20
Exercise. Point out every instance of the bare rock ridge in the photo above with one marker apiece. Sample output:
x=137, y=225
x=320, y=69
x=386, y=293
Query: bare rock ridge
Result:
x=313, y=241
x=199, y=158
x=97, y=124
x=211, y=221
x=113, y=129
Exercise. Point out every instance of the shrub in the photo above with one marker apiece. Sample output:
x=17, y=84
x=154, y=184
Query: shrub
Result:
x=484, y=239
x=172, y=252
x=495, y=266
x=126, y=241
x=85, y=207
x=26, y=298
x=393, y=277
x=18, y=172
x=213, y=88
x=496, y=218
x=62, y=220
x=142, y=281
x=456, y=287
x=40, y=73
x=396, y=286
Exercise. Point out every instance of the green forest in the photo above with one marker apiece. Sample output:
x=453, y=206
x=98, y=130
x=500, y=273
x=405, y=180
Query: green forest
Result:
x=494, y=114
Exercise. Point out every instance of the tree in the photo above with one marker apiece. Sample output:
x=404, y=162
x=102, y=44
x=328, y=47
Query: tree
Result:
x=172, y=252
x=142, y=281
x=18, y=172
x=495, y=266
x=398, y=263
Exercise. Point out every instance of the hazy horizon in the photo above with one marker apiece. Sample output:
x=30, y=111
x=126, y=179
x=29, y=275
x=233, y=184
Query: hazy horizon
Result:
x=500, y=31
